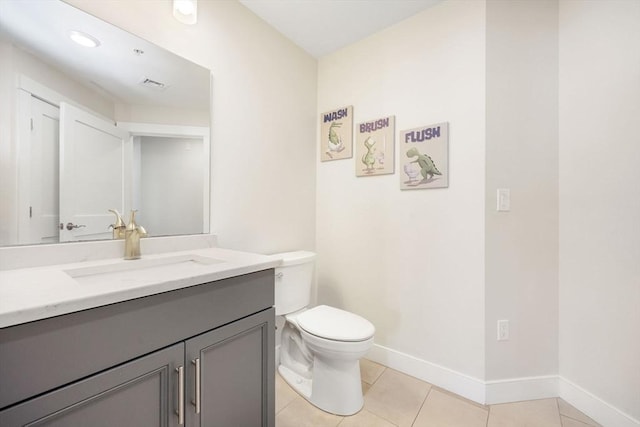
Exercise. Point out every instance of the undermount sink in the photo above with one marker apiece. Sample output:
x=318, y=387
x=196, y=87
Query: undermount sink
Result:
x=143, y=270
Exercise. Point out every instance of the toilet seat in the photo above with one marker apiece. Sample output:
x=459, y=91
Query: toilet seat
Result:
x=333, y=324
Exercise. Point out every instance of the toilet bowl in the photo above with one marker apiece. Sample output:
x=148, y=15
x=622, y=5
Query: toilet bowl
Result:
x=319, y=348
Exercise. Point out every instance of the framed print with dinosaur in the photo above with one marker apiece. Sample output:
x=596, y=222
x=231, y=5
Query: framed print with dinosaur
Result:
x=336, y=134
x=424, y=157
x=375, y=146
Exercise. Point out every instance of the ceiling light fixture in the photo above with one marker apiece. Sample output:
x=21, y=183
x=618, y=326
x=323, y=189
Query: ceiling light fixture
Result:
x=84, y=39
x=186, y=11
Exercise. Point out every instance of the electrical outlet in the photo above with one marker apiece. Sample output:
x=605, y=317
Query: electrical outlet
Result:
x=503, y=330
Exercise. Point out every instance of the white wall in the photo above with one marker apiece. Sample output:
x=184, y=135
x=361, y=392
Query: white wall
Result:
x=264, y=115
x=52, y=78
x=522, y=155
x=600, y=199
x=412, y=262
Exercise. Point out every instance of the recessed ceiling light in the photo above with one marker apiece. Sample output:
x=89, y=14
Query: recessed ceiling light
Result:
x=84, y=39
x=184, y=7
x=186, y=11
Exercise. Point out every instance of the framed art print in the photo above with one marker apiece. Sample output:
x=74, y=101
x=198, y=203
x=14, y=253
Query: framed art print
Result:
x=424, y=157
x=375, y=147
x=336, y=134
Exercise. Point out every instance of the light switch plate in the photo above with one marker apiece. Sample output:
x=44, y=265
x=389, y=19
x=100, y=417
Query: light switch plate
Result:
x=504, y=200
x=503, y=330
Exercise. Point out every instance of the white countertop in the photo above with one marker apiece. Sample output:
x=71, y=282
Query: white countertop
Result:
x=29, y=294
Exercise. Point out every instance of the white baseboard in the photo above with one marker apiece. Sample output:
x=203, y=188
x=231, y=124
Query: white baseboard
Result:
x=517, y=389
x=453, y=381
x=503, y=391
x=593, y=406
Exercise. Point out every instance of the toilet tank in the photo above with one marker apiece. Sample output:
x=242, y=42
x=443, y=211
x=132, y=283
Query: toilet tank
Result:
x=293, y=281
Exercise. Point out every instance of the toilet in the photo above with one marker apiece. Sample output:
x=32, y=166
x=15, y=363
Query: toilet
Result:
x=317, y=349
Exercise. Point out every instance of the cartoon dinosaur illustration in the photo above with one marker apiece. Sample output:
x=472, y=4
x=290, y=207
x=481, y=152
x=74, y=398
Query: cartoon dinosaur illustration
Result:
x=427, y=167
x=369, y=159
x=335, y=142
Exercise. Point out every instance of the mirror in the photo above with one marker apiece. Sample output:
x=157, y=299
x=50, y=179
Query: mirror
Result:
x=122, y=125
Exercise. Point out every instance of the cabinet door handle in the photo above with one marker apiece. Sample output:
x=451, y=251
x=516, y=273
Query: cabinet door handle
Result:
x=180, y=410
x=196, y=402
x=71, y=226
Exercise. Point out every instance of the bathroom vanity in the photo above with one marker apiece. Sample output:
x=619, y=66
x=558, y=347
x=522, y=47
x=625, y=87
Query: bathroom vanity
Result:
x=185, y=338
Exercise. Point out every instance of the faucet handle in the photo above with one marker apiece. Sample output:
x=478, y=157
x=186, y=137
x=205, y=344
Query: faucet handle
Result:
x=142, y=231
x=119, y=227
x=119, y=222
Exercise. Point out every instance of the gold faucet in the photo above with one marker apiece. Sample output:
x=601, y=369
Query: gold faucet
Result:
x=132, y=234
x=118, y=227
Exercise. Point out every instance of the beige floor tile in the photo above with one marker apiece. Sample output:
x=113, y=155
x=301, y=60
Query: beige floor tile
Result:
x=365, y=418
x=570, y=422
x=533, y=413
x=284, y=393
x=365, y=388
x=443, y=409
x=570, y=412
x=396, y=397
x=301, y=413
x=370, y=371
x=471, y=402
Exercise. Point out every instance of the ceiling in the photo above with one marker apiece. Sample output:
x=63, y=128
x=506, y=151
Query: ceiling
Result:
x=324, y=26
x=318, y=26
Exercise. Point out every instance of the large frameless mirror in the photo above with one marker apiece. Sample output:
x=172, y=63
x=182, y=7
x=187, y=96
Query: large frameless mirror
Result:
x=94, y=118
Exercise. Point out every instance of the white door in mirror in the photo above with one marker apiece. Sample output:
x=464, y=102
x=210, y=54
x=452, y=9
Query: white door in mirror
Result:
x=95, y=159
x=38, y=221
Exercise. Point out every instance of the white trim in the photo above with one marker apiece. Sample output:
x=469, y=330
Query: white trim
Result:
x=594, y=407
x=506, y=390
x=23, y=165
x=49, y=95
x=518, y=389
x=41, y=91
x=152, y=129
x=456, y=382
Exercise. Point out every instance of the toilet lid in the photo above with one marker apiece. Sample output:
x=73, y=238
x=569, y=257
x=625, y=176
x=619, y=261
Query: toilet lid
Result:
x=335, y=324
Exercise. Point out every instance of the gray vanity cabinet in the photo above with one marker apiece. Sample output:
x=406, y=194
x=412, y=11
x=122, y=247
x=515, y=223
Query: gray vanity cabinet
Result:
x=138, y=393
x=234, y=368
x=201, y=356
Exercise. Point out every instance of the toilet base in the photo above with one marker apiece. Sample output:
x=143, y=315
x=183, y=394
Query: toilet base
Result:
x=300, y=384
x=337, y=391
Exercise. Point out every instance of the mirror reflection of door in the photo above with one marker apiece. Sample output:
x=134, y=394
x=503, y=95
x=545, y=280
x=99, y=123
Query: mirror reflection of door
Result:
x=41, y=220
x=94, y=162
x=77, y=166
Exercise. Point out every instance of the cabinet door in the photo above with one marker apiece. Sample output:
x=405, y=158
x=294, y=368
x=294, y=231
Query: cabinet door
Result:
x=140, y=393
x=236, y=374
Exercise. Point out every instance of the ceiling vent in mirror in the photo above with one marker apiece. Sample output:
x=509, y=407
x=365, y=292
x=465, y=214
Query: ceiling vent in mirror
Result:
x=153, y=84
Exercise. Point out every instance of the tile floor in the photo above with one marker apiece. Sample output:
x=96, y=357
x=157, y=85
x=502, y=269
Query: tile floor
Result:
x=393, y=399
